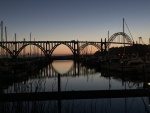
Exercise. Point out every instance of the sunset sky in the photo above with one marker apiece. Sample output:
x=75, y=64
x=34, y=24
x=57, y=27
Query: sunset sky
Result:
x=83, y=20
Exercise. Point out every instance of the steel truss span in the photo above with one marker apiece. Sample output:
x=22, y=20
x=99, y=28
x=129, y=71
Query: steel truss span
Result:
x=125, y=37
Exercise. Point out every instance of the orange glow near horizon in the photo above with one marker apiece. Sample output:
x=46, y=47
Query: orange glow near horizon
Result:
x=90, y=49
x=62, y=50
x=62, y=67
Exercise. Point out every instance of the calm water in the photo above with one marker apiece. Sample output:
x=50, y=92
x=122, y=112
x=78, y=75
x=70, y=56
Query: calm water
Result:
x=74, y=77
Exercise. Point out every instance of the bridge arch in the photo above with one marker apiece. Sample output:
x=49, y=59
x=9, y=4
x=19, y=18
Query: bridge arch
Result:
x=127, y=38
x=90, y=43
x=7, y=50
x=66, y=44
x=27, y=44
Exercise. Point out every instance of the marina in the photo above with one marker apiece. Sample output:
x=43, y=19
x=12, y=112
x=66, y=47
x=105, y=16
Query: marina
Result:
x=44, y=78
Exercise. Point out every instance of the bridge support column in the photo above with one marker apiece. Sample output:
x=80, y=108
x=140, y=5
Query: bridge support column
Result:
x=105, y=47
x=15, y=48
x=76, y=50
x=101, y=46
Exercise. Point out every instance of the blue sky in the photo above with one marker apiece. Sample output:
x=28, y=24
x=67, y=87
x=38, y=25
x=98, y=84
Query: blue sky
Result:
x=85, y=20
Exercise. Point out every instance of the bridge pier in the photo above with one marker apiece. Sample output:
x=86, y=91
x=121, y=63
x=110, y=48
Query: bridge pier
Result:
x=103, y=47
x=76, y=49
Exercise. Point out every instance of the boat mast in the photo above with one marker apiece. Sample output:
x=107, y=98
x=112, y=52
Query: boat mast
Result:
x=6, y=39
x=1, y=31
x=123, y=37
x=123, y=25
x=30, y=45
x=108, y=44
x=6, y=34
x=1, y=36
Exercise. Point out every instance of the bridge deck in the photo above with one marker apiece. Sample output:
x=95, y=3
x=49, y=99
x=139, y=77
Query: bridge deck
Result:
x=66, y=95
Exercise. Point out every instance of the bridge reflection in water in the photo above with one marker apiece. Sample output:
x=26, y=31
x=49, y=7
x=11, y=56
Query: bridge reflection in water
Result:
x=52, y=90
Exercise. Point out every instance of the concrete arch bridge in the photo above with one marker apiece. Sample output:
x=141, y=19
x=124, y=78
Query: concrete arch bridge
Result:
x=14, y=48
